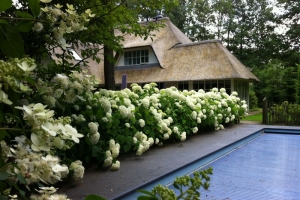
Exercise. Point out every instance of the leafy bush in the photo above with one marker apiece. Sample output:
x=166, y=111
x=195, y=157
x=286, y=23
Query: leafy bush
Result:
x=187, y=186
x=253, y=102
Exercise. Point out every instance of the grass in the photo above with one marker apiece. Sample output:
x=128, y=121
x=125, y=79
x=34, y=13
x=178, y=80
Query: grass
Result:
x=254, y=117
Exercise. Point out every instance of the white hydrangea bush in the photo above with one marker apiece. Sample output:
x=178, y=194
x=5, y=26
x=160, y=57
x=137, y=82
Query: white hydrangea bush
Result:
x=30, y=157
x=144, y=116
x=157, y=115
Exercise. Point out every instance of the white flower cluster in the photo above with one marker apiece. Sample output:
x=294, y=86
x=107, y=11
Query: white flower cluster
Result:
x=63, y=22
x=64, y=89
x=78, y=170
x=143, y=142
x=34, y=167
x=111, y=155
x=48, y=193
x=93, y=135
x=12, y=74
x=47, y=132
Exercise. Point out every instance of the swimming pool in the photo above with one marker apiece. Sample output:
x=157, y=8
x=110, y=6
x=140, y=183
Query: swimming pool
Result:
x=264, y=165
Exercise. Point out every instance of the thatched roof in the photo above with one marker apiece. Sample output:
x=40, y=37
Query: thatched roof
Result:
x=180, y=59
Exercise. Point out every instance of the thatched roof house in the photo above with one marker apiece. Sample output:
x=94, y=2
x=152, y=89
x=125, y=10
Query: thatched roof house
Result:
x=172, y=59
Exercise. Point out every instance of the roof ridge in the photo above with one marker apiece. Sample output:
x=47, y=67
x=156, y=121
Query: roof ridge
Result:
x=198, y=43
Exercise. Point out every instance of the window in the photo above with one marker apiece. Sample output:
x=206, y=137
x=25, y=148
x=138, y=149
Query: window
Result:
x=160, y=85
x=209, y=84
x=228, y=86
x=74, y=54
x=136, y=57
x=197, y=85
x=184, y=85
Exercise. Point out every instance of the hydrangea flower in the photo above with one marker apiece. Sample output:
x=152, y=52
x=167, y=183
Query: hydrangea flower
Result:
x=115, y=165
x=183, y=136
x=25, y=66
x=4, y=97
x=195, y=130
x=94, y=138
x=70, y=133
x=123, y=111
x=38, y=143
x=142, y=123
x=78, y=170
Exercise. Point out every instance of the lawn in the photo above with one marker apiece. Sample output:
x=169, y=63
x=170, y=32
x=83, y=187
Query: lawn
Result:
x=254, y=117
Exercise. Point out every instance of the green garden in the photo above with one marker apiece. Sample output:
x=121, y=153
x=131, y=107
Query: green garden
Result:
x=55, y=120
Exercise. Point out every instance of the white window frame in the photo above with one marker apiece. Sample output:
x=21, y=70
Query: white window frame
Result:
x=136, y=57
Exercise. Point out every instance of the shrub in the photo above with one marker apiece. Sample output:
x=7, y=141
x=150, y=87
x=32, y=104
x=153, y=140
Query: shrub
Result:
x=253, y=102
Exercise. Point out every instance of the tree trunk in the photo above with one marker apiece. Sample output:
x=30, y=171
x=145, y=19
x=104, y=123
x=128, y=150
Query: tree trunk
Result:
x=109, y=71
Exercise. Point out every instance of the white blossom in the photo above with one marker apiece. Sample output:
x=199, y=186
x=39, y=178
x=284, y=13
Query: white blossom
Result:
x=78, y=169
x=94, y=138
x=4, y=98
x=183, y=136
x=115, y=165
x=195, y=129
x=142, y=123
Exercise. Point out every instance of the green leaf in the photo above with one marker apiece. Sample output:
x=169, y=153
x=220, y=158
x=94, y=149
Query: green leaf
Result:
x=3, y=133
x=3, y=21
x=3, y=187
x=1, y=117
x=93, y=197
x=5, y=4
x=13, y=96
x=12, y=44
x=3, y=197
x=148, y=193
x=25, y=25
x=127, y=147
x=3, y=176
x=2, y=163
x=35, y=7
x=22, y=179
x=176, y=186
x=24, y=15
x=30, y=80
x=95, y=151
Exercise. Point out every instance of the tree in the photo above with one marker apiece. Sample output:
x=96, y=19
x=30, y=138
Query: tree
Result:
x=273, y=82
x=109, y=15
x=290, y=18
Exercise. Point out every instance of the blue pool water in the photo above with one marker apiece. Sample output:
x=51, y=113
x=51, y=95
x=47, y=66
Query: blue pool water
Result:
x=265, y=165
